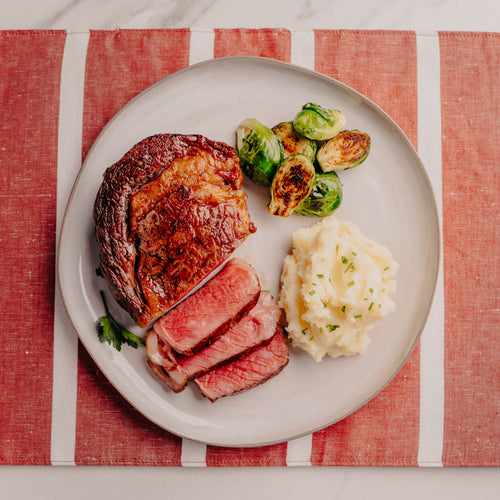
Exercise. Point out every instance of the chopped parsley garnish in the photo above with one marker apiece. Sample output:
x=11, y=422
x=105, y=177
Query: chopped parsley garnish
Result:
x=320, y=276
x=371, y=290
x=332, y=327
x=343, y=309
x=312, y=292
x=110, y=331
x=357, y=316
x=351, y=266
x=370, y=306
x=350, y=283
x=344, y=260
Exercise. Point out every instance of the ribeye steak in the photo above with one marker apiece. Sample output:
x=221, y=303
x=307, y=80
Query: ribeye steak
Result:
x=167, y=214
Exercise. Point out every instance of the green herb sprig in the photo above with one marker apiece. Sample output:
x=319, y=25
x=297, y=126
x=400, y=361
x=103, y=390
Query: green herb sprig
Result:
x=110, y=331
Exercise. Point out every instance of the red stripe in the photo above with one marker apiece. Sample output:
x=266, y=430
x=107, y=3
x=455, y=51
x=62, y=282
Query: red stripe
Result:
x=120, y=64
x=274, y=43
x=382, y=66
x=110, y=431
x=274, y=455
x=30, y=67
x=470, y=107
x=382, y=433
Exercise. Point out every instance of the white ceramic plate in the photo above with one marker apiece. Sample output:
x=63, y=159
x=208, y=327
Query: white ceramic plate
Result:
x=389, y=197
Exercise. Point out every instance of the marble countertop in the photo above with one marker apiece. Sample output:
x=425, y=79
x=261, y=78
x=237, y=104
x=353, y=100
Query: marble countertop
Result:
x=426, y=16
x=422, y=16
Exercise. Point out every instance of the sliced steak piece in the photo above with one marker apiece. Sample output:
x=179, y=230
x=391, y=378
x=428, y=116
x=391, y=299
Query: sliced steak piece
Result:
x=158, y=352
x=168, y=214
x=246, y=372
x=211, y=310
x=254, y=329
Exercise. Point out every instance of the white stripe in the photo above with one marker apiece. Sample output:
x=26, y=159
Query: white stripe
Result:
x=201, y=46
x=193, y=453
x=302, y=48
x=432, y=341
x=62, y=451
x=298, y=451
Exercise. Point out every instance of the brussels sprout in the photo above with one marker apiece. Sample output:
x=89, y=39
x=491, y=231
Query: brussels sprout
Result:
x=291, y=185
x=293, y=142
x=318, y=123
x=325, y=196
x=345, y=150
x=260, y=151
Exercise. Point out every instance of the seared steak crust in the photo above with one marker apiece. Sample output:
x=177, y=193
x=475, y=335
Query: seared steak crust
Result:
x=167, y=214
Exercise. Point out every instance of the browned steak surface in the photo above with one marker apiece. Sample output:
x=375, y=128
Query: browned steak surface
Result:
x=167, y=214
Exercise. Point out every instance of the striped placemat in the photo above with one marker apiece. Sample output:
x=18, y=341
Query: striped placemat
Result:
x=58, y=90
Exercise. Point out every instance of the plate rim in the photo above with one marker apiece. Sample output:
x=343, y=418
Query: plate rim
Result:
x=306, y=71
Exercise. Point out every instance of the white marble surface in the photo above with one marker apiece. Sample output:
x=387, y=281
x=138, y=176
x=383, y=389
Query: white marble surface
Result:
x=420, y=15
x=423, y=16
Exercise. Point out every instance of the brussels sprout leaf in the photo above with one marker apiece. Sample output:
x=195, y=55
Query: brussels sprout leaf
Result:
x=110, y=331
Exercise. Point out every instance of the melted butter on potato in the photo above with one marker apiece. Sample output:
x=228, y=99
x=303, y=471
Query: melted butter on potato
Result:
x=335, y=285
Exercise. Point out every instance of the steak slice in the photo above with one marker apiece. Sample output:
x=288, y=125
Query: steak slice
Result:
x=254, y=329
x=210, y=310
x=246, y=372
x=167, y=214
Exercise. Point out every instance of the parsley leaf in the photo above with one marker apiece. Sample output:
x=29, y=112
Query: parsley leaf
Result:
x=110, y=331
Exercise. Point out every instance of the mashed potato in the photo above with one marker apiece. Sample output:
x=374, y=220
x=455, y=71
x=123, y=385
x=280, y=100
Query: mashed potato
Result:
x=335, y=285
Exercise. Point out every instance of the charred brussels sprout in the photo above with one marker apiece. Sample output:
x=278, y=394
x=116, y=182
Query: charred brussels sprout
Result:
x=291, y=185
x=345, y=150
x=259, y=150
x=325, y=196
x=318, y=123
x=293, y=142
